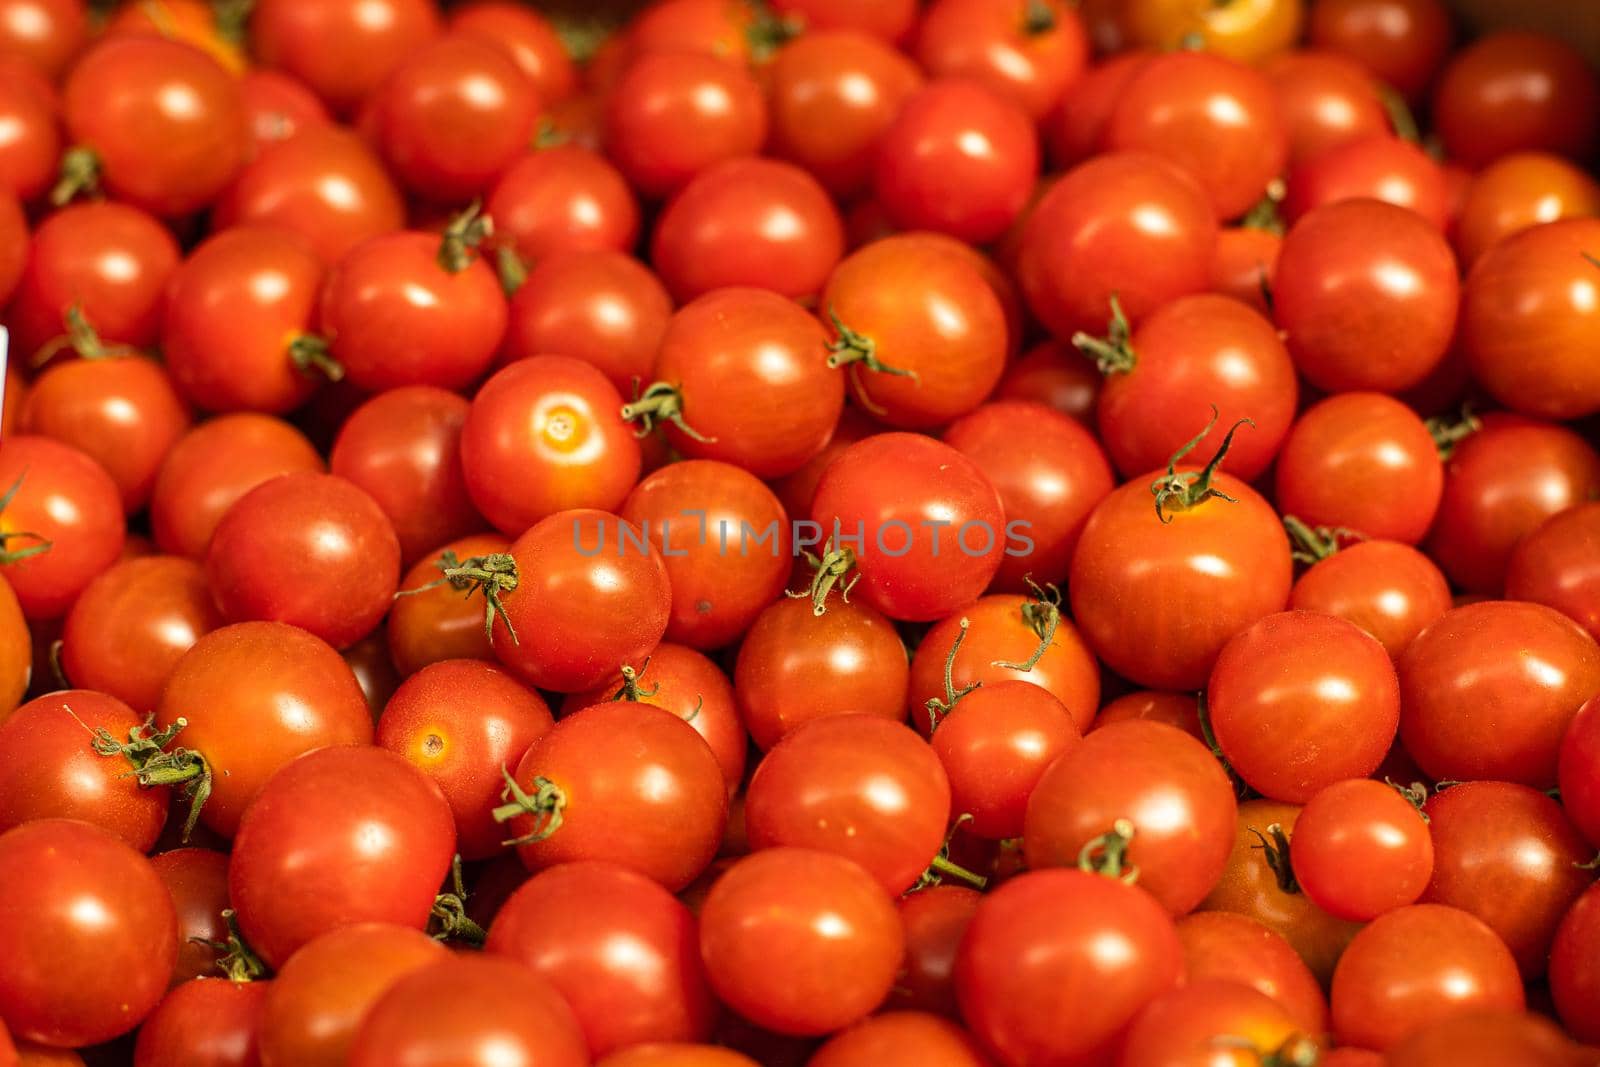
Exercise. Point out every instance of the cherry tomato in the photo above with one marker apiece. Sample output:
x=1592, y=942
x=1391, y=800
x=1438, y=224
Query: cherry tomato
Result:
x=1417, y=965
x=197, y=881
x=254, y=696
x=1175, y=709
x=1361, y=849
x=45, y=33
x=602, y=307
x=563, y=199
x=527, y=37
x=163, y=120
x=238, y=312
x=16, y=651
x=709, y=27
x=1530, y=314
x=343, y=49
x=1507, y=854
x=900, y=1039
x=277, y=107
x=1555, y=565
x=1576, y=771
x=208, y=1022
x=1219, y=1021
x=1220, y=944
x=1247, y=31
x=215, y=464
x=743, y=376
x=434, y=622
x=1481, y=1039
x=319, y=996
x=1029, y=53
x=1573, y=981
x=1033, y=956
x=934, y=920
x=1378, y=167
x=798, y=941
x=1326, y=100
x=1403, y=43
x=1127, y=223
x=1073, y=131
x=479, y=1009
x=324, y=183
x=109, y=261
x=655, y=992
x=1243, y=265
x=1367, y=293
x=1054, y=375
x=1388, y=589
x=1515, y=91
x=30, y=143
x=89, y=930
x=1518, y=192
x=1488, y=691
x=60, y=523
x=834, y=93
x=750, y=222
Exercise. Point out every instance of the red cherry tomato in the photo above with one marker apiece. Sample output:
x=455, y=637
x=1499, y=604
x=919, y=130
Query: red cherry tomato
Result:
x=1556, y=565
x=900, y=1039
x=1030, y=53
x=277, y=107
x=1073, y=132
x=934, y=920
x=1514, y=91
x=1390, y=590
x=30, y=143
x=1221, y=944
x=197, y=881
x=47, y=34
x=343, y=49
x=209, y=1022
x=1054, y=375
x=1377, y=166
x=60, y=523
x=1490, y=1037
x=1361, y=849
x=1219, y=1021
x=563, y=199
x=1518, y=192
x=1175, y=709
x=1402, y=42
x=527, y=37
x=1573, y=981
x=1326, y=100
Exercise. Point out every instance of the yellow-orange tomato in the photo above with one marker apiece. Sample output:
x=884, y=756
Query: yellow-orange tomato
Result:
x=1247, y=30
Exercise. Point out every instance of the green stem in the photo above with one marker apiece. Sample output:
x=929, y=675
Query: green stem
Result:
x=631, y=689
x=1038, y=18
x=10, y=555
x=1312, y=544
x=1274, y=846
x=494, y=575
x=155, y=765
x=237, y=960
x=1189, y=489
x=938, y=708
x=1449, y=431
x=945, y=866
x=545, y=804
x=1042, y=613
x=309, y=354
x=661, y=402
x=448, y=916
x=1113, y=353
x=1416, y=794
x=462, y=236
x=1108, y=854
x=852, y=348
x=79, y=175
x=513, y=272
x=830, y=572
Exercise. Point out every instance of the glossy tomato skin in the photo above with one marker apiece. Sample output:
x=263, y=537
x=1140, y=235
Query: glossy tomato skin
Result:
x=1127, y=223
x=673, y=114
x=1360, y=849
x=1243, y=264
x=751, y=222
x=480, y=1008
x=1417, y=965
x=593, y=595
x=752, y=371
x=834, y=93
x=112, y=261
x=453, y=116
x=318, y=997
x=1518, y=192
x=55, y=773
x=89, y=930
x=726, y=543
x=1578, y=771
x=208, y=1022
x=1326, y=100
x=1165, y=783
x=770, y=951
x=324, y=183
x=313, y=550
x=795, y=666
x=232, y=311
x=657, y=992
x=1469, y=711
x=1131, y=572
x=428, y=625
x=215, y=464
x=1175, y=709
x=1031, y=56
x=1367, y=293
x=1490, y=1037
x=603, y=307
x=1362, y=462
x=1013, y=994
x=563, y=199
x=900, y=1039
x=1051, y=374
x=376, y=824
x=1379, y=167
x=1198, y=357
x=887, y=498
x=255, y=695
x=1389, y=589
x=527, y=37
x=544, y=435
x=1573, y=981
x=1402, y=42
x=657, y=804
x=1514, y=90
x=459, y=722
x=995, y=747
x=856, y=785
x=340, y=48
x=934, y=921
x=197, y=881
x=278, y=106
x=164, y=119
x=1221, y=944
x=1530, y=317
x=396, y=316
x=46, y=34
x=1507, y=854
x=65, y=498
x=1186, y=1022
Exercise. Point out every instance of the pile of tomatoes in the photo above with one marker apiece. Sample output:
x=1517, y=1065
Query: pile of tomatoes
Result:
x=860, y=533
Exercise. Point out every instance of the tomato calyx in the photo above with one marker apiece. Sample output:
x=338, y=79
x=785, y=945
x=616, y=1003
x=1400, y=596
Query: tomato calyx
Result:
x=79, y=175
x=447, y=919
x=1037, y=18
x=459, y=245
x=238, y=960
x=660, y=402
x=1448, y=431
x=768, y=31
x=310, y=355
x=852, y=348
x=631, y=689
x=1416, y=794
x=1042, y=612
x=1113, y=353
x=231, y=18
x=1313, y=544
x=8, y=554
x=942, y=866
x=545, y=804
x=1107, y=854
x=828, y=572
x=494, y=575
x=1297, y=1050
x=513, y=273
x=1401, y=119
x=1189, y=489
x=1265, y=215
x=1274, y=846
x=154, y=764
x=82, y=338
x=939, y=707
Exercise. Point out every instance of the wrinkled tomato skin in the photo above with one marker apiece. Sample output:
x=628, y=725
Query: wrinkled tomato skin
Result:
x=256, y=695
x=1417, y=965
x=1518, y=192
x=1578, y=771
x=1389, y=589
x=1221, y=944
x=459, y=722
x=658, y=992
x=1403, y=43
x=67, y=499
x=197, y=881
x=1164, y=782
x=1573, y=979
x=88, y=931
x=376, y=824
x=429, y=625
x=54, y=772
x=1513, y=90
x=318, y=998
x=343, y=49
x=995, y=747
x=1030, y=958
x=1508, y=855
x=211, y=467
x=208, y=1022
x=1470, y=710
